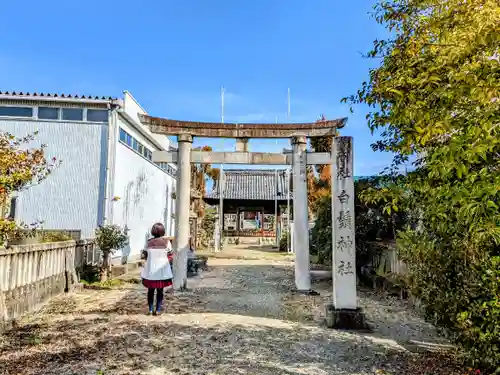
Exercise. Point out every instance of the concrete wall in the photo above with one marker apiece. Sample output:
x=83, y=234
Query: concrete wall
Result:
x=144, y=192
x=70, y=197
x=32, y=274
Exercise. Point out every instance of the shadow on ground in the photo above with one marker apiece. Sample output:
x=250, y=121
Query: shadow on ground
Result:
x=236, y=319
x=135, y=345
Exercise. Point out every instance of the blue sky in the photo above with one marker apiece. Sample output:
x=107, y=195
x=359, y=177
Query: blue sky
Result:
x=174, y=56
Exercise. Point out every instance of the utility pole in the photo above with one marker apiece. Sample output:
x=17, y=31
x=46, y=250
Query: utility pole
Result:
x=221, y=205
x=276, y=234
x=289, y=178
x=220, y=209
x=289, y=236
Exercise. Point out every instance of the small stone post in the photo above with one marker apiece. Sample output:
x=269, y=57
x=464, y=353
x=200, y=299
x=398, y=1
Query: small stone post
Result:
x=182, y=206
x=344, y=312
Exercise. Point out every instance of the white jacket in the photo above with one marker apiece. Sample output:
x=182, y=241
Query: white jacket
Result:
x=157, y=266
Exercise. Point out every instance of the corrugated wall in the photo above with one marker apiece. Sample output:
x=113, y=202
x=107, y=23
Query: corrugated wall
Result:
x=69, y=198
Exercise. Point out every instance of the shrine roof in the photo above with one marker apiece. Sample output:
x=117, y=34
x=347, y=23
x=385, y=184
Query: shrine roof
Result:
x=245, y=130
x=252, y=184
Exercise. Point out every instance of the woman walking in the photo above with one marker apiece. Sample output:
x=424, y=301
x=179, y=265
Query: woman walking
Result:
x=157, y=273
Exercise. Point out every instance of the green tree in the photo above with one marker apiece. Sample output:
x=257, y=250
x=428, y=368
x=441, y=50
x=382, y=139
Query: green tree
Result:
x=109, y=238
x=436, y=96
x=21, y=167
x=199, y=175
x=319, y=177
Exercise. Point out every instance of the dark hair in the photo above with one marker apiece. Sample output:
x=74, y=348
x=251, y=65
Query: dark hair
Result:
x=158, y=230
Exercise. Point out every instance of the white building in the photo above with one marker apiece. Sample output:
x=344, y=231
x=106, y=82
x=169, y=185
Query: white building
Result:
x=106, y=174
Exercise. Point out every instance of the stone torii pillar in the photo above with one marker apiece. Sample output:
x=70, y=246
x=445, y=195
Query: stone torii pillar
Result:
x=301, y=216
x=182, y=208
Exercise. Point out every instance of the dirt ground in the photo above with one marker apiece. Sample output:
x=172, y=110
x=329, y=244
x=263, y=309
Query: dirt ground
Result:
x=239, y=317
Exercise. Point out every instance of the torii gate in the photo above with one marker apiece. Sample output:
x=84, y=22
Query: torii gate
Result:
x=344, y=311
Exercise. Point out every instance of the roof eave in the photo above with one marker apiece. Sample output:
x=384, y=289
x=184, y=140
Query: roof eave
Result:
x=111, y=101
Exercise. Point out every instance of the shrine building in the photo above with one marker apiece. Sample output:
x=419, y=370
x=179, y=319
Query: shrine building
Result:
x=254, y=204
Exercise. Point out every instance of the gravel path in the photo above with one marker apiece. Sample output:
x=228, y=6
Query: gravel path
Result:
x=239, y=318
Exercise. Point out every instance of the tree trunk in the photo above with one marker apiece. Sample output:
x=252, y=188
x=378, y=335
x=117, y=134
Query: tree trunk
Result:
x=105, y=268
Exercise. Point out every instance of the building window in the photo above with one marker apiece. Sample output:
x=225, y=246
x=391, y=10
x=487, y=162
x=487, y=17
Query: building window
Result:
x=97, y=115
x=48, y=113
x=123, y=135
x=142, y=150
x=72, y=114
x=167, y=168
x=16, y=111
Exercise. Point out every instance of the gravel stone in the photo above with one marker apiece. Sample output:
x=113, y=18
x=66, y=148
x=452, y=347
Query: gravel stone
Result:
x=239, y=317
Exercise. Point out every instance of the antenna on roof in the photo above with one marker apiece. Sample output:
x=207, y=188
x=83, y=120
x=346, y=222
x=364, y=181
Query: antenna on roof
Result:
x=222, y=104
x=288, y=102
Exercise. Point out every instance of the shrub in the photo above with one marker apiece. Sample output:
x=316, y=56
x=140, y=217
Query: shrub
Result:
x=90, y=274
x=372, y=225
x=435, y=97
x=479, y=322
x=109, y=238
x=284, y=241
x=458, y=294
x=321, y=233
x=55, y=236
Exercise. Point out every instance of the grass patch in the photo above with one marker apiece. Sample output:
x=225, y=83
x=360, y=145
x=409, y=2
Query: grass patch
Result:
x=108, y=284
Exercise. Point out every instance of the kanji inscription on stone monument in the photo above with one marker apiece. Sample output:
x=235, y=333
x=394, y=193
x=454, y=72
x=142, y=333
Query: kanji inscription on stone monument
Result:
x=344, y=167
x=343, y=197
x=344, y=244
x=303, y=166
x=345, y=268
x=345, y=219
x=343, y=241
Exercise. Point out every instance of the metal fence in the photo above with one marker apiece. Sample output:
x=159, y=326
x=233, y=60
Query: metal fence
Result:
x=87, y=254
